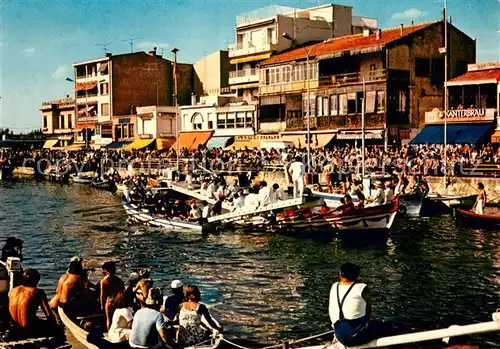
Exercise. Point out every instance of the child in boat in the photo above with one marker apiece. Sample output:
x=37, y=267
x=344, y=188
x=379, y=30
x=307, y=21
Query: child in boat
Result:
x=191, y=329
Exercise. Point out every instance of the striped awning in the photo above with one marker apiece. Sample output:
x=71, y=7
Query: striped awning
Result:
x=139, y=144
x=218, y=142
x=250, y=58
x=50, y=143
x=83, y=86
x=191, y=140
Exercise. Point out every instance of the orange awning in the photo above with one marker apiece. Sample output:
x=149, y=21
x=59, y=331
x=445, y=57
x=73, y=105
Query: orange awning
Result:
x=191, y=140
x=495, y=137
x=164, y=143
x=83, y=86
x=81, y=126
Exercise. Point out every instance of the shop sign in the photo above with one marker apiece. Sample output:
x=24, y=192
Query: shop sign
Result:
x=124, y=121
x=459, y=115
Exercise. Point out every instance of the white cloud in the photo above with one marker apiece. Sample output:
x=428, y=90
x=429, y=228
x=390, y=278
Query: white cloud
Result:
x=148, y=45
x=412, y=13
x=29, y=51
x=60, y=72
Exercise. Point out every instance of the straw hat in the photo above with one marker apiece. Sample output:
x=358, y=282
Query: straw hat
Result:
x=379, y=184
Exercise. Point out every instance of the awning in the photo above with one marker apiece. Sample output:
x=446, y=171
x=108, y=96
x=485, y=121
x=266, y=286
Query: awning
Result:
x=90, y=108
x=139, y=144
x=117, y=145
x=88, y=125
x=250, y=85
x=455, y=133
x=103, y=66
x=276, y=144
x=319, y=140
x=164, y=143
x=245, y=143
x=377, y=134
x=495, y=138
x=191, y=140
x=75, y=146
x=50, y=143
x=83, y=86
x=218, y=142
x=250, y=58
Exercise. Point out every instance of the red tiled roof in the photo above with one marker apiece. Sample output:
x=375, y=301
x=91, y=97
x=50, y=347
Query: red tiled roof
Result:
x=346, y=43
x=490, y=74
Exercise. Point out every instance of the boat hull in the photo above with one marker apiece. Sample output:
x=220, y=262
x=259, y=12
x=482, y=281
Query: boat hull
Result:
x=473, y=219
x=143, y=216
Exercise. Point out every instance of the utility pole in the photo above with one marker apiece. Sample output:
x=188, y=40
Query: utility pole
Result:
x=445, y=163
x=176, y=104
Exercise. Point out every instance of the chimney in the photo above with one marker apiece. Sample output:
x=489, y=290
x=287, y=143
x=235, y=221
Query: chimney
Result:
x=379, y=34
x=108, y=54
x=366, y=32
x=152, y=53
x=401, y=31
x=194, y=99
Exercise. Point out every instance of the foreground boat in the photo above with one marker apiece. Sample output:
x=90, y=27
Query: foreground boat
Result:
x=454, y=200
x=487, y=220
x=99, y=340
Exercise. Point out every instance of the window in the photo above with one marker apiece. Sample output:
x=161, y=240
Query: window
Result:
x=221, y=120
x=45, y=122
x=422, y=67
x=93, y=70
x=240, y=119
x=249, y=119
x=131, y=130
x=287, y=72
x=277, y=72
x=267, y=77
x=359, y=101
x=402, y=98
x=437, y=74
x=104, y=88
x=371, y=96
x=325, y=106
x=319, y=106
x=351, y=103
x=342, y=104
x=231, y=119
x=97, y=129
x=210, y=124
x=118, y=131
x=334, y=105
x=61, y=125
x=272, y=76
x=270, y=36
x=70, y=121
x=380, y=101
x=125, y=131
x=105, y=109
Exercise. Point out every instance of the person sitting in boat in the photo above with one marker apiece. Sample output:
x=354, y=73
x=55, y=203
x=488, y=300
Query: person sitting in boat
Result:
x=361, y=202
x=121, y=324
x=388, y=193
x=178, y=210
x=205, y=211
x=348, y=207
x=210, y=191
x=277, y=194
x=111, y=285
x=142, y=287
x=24, y=302
x=221, y=189
x=191, y=329
x=324, y=209
x=171, y=304
x=251, y=200
x=264, y=195
x=189, y=180
x=194, y=213
x=350, y=307
x=480, y=203
x=239, y=201
x=233, y=189
x=379, y=197
x=401, y=185
x=217, y=209
x=71, y=285
x=13, y=248
x=130, y=296
x=148, y=325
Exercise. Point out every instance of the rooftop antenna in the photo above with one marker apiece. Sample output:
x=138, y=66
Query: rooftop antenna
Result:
x=104, y=46
x=131, y=43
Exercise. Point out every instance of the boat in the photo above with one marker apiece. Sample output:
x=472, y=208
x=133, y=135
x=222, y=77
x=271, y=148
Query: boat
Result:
x=58, y=177
x=490, y=219
x=82, y=179
x=98, y=340
x=197, y=194
x=454, y=200
x=144, y=216
x=104, y=184
x=418, y=337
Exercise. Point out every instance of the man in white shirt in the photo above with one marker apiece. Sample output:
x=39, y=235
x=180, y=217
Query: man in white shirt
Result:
x=210, y=192
x=205, y=211
x=277, y=194
x=251, y=200
x=388, y=193
x=239, y=201
x=264, y=194
x=297, y=170
x=379, y=197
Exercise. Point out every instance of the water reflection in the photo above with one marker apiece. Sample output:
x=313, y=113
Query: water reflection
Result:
x=426, y=273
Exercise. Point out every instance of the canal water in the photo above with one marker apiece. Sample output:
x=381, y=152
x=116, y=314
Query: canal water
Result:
x=426, y=273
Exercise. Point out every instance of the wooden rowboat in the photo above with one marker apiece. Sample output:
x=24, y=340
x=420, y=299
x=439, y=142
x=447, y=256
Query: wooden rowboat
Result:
x=92, y=341
x=487, y=220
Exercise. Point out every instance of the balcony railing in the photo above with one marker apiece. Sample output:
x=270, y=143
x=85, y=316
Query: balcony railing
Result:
x=243, y=73
x=288, y=86
x=352, y=78
x=337, y=121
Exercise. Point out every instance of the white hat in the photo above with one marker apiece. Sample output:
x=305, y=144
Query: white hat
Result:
x=133, y=276
x=76, y=259
x=176, y=284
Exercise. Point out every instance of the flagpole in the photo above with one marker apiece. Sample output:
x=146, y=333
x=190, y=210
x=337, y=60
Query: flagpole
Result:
x=445, y=162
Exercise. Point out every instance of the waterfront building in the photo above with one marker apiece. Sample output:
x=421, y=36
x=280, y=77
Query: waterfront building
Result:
x=400, y=70
x=112, y=87
x=211, y=74
x=473, y=113
x=58, y=122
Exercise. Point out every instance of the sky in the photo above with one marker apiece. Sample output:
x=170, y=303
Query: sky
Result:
x=39, y=40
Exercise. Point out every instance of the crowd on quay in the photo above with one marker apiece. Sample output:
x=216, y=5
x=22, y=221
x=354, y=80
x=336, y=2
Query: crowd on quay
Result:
x=423, y=159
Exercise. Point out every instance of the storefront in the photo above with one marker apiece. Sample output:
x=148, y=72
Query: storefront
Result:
x=124, y=127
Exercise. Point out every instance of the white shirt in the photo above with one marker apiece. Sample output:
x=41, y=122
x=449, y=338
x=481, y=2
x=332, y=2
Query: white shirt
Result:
x=239, y=202
x=210, y=190
x=379, y=197
x=388, y=193
x=354, y=305
x=194, y=213
x=206, y=212
x=297, y=170
x=251, y=200
x=264, y=196
x=119, y=331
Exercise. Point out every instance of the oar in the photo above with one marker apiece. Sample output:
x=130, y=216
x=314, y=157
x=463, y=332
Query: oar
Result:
x=96, y=208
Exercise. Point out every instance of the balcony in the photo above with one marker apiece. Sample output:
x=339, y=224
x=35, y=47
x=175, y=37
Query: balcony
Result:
x=353, y=78
x=243, y=76
x=288, y=87
x=351, y=121
x=248, y=48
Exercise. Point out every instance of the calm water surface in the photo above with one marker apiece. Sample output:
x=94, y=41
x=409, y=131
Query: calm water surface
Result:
x=427, y=273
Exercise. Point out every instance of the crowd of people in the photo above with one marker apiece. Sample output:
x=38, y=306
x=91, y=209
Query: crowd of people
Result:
x=136, y=312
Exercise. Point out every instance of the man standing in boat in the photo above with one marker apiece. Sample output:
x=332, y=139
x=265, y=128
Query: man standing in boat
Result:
x=480, y=203
x=297, y=170
x=24, y=302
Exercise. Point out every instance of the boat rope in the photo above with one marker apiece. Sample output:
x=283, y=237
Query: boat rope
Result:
x=281, y=345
